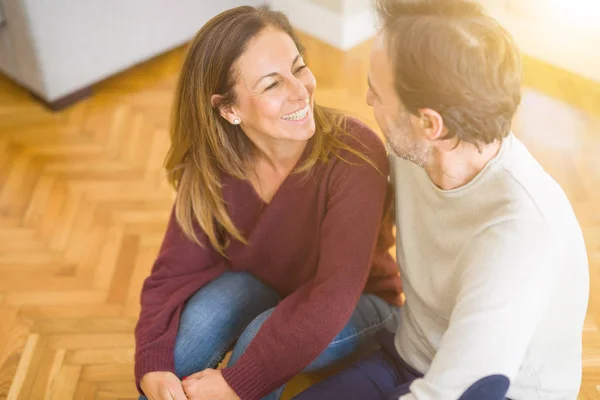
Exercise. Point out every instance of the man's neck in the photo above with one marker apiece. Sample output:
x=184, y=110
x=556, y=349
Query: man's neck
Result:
x=455, y=167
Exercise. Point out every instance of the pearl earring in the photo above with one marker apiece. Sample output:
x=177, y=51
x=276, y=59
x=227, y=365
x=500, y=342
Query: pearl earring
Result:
x=236, y=121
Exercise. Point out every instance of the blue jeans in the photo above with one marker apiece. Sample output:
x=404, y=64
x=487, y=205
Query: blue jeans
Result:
x=384, y=375
x=231, y=309
x=381, y=376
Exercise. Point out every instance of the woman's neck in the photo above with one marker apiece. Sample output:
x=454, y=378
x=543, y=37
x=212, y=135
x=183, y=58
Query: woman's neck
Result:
x=272, y=163
x=280, y=155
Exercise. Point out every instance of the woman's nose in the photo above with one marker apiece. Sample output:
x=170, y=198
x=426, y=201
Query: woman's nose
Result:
x=298, y=91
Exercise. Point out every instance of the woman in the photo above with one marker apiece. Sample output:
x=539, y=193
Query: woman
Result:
x=279, y=237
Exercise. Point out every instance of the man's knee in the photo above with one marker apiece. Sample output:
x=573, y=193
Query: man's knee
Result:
x=493, y=387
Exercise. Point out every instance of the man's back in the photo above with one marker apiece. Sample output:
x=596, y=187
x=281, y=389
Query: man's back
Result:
x=496, y=279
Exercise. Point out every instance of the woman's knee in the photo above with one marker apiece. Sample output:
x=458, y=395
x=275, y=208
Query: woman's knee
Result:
x=230, y=297
x=215, y=316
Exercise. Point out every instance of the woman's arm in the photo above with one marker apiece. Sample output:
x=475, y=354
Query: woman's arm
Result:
x=181, y=268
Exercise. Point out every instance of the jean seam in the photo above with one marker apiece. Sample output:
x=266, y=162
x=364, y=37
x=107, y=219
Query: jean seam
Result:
x=392, y=365
x=362, y=331
x=279, y=392
x=366, y=372
x=215, y=361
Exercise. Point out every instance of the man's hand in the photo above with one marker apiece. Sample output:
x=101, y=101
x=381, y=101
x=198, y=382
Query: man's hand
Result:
x=162, y=385
x=208, y=385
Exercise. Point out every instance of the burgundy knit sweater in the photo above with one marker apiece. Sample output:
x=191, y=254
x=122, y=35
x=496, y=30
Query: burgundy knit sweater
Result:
x=320, y=243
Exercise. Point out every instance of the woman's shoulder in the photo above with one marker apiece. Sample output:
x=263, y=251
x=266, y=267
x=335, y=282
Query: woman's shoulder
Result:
x=360, y=137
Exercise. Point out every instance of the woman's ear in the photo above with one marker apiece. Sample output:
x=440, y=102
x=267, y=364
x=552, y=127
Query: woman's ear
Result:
x=215, y=99
x=226, y=112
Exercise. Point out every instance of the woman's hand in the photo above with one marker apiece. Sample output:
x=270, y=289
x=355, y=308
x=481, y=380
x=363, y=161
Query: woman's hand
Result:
x=162, y=385
x=208, y=385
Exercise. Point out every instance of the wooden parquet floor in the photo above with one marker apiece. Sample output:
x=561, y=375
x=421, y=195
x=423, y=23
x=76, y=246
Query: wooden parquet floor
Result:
x=84, y=204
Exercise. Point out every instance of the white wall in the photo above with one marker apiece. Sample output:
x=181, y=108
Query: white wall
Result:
x=564, y=33
x=336, y=6
x=340, y=23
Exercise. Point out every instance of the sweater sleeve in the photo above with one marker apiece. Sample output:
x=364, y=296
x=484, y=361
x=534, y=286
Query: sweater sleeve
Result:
x=509, y=272
x=305, y=322
x=181, y=268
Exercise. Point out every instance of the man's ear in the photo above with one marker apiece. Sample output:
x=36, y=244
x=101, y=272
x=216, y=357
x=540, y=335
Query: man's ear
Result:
x=432, y=123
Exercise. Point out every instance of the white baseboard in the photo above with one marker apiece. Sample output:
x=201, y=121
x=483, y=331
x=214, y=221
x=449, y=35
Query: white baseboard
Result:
x=569, y=49
x=339, y=30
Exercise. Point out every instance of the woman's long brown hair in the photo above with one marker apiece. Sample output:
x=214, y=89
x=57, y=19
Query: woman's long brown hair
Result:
x=204, y=145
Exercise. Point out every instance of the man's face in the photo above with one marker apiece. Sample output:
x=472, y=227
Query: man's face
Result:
x=398, y=125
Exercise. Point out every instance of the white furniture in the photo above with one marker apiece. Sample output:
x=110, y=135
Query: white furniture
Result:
x=59, y=48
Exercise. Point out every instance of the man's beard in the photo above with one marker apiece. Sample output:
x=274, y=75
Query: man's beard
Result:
x=398, y=136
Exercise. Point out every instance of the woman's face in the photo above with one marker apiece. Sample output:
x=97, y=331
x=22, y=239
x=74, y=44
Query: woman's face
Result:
x=274, y=89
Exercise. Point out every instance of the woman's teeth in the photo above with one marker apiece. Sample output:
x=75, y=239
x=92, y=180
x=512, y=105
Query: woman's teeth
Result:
x=298, y=115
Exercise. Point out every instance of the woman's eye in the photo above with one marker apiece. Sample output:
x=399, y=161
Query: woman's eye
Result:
x=272, y=85
x=300, y=68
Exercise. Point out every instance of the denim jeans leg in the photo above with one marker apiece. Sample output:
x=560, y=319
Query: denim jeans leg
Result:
x=358, y=336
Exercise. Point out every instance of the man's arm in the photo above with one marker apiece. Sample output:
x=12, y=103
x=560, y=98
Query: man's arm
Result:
x=509, y=272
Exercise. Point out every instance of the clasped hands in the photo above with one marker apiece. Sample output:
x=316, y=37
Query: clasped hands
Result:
x=205, y=385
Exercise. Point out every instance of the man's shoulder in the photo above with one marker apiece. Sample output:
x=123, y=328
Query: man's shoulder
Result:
x=528, y=190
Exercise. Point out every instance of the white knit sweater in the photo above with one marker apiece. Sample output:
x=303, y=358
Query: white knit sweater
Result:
x=496, y=280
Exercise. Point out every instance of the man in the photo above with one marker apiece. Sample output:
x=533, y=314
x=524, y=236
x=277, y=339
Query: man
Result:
x=492, y=258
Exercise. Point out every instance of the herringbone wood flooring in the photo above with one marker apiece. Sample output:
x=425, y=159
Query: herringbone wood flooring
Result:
x=84, y=204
